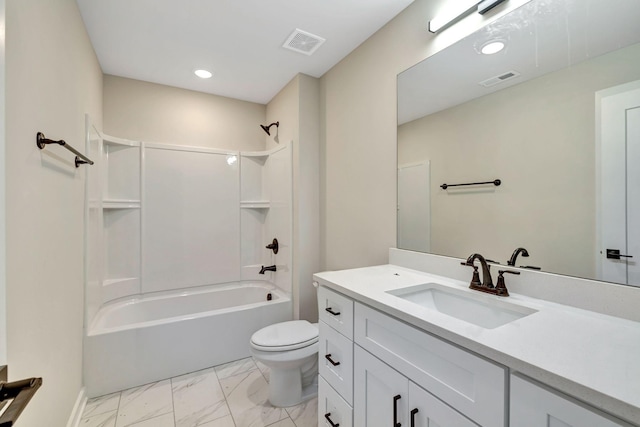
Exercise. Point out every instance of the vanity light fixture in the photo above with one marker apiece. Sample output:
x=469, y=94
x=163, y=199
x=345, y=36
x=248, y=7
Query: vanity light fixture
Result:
x=203, y=74
x=232, y=159
x=453, y=12
x=459, y=9
x=486, y=5
x=491, y=47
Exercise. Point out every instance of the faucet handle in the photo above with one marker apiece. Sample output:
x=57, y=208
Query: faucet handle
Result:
x=501, y=288
x=475, y=280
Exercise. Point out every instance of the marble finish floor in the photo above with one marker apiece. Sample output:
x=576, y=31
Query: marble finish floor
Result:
x=229, y=395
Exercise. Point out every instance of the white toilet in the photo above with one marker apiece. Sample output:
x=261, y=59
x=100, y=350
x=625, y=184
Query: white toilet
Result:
x=290, y=350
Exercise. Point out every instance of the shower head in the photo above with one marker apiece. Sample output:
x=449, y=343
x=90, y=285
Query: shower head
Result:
x=266, y=128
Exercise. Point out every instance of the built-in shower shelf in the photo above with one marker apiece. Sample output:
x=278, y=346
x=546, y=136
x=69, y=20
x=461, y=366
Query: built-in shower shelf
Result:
x=112, y=140
x=255, y=204
x=120, y=204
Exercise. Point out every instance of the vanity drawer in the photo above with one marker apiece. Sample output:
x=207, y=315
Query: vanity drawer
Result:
x=471, y=384
x=332, y=407
x=339, y=349
x=336, y=311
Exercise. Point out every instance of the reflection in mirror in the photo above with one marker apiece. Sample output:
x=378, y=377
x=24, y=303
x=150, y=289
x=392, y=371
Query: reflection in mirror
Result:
x=555, y=115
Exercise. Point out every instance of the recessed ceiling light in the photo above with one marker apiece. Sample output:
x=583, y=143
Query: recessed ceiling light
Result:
x=492, y=47
x=203, y=74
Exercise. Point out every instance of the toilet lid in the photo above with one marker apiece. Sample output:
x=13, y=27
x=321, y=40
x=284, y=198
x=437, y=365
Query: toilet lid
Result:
x=285, y=336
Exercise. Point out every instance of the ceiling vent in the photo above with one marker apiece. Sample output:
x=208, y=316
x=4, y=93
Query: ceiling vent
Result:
x=499, y=79
x=303, y=42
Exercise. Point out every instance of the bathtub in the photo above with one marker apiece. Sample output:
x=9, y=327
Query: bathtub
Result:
x=149, y=338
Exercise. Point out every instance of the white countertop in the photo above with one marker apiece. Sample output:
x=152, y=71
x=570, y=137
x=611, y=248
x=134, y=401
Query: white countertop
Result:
x=591, y=356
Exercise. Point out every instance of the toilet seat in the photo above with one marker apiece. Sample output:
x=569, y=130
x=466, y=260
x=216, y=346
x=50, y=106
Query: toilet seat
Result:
x=285, y=336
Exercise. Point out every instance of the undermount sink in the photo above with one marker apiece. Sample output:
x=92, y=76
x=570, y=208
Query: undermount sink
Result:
x=480, y=310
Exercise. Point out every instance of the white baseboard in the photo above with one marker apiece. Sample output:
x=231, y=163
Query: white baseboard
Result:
x=78, y=409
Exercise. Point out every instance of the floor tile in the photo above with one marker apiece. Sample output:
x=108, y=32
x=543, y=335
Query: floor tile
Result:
x=165, y=420
x=235, y=368
x=284, y=423
x=221, y=422
x=107, y=419
x=101, y=405
x=247, y=396
x=305, y=414
x=198, y=399
x=145, y=402
x=263, y=368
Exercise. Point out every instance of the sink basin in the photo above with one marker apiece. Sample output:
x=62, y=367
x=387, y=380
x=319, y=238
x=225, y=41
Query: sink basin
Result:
x=480, y=310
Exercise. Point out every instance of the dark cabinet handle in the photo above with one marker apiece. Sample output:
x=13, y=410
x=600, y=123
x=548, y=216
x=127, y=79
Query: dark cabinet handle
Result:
x=395, y=411
x=332, y=312
x=328, y=357
x=328, y=418
x=413, y=417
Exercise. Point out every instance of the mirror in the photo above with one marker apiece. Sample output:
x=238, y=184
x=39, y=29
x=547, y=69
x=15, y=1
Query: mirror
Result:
x=543, y=116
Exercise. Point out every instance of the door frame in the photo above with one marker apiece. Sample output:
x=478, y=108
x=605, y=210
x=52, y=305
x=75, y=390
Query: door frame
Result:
x=619, y=90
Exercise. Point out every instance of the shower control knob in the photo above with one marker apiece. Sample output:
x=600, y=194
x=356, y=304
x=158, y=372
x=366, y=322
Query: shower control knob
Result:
x=273, y=246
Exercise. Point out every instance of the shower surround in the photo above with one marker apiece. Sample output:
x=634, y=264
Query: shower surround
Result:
x=165, y=223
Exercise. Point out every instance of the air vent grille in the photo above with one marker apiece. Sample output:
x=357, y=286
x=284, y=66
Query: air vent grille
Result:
x=499, y=79
x=303, y=42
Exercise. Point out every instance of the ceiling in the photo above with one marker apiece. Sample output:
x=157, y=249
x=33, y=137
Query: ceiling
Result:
x=240, y=41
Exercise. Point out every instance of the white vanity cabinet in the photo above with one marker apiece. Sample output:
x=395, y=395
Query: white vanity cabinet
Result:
x=384, y=397
x=535, y=406
x=335, y=359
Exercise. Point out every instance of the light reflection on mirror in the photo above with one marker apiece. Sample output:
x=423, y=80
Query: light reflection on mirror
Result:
x=537, y=131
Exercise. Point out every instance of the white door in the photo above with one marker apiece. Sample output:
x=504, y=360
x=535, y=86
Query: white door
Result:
x=618, y=249
x=532, y=406
x=427, y=411
x=3, y=296
x=414, y=207
x=381, y=395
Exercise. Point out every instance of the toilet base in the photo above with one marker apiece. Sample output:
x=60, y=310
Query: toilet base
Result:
x=285, y=388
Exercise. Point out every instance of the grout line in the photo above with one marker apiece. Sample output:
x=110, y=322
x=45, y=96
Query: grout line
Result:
x=173, y=404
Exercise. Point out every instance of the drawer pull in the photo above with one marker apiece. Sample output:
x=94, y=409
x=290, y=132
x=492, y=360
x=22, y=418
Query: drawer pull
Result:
x=332, y=312
x=413, y=417
x=328, y=357
x=327, y=416
x=395, y=411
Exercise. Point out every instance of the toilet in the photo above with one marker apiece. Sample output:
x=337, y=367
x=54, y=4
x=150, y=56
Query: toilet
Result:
x=290, y=350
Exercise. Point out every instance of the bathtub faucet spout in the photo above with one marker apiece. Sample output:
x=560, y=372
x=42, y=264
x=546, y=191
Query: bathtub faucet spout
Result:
x=270, y=268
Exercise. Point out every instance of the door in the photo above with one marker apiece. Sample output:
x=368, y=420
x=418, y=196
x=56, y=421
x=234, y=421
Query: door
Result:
x=414, y=207
x=618, y=249
x=533, y=406
x=380, y=393
x=427, y=411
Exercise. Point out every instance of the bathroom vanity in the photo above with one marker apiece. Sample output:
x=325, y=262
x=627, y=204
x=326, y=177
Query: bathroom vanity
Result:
x=402, y=347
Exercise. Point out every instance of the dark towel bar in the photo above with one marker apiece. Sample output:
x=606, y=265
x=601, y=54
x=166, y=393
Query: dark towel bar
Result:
x=496, y=182
x=21, y=392
x=81, y=159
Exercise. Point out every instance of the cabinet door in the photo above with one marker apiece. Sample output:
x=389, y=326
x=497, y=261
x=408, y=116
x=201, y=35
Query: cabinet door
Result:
x=379, y=393
x=534, y=406
x=427, y=411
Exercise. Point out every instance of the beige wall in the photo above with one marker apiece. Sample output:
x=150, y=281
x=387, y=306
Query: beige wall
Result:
x=539, y=139
x=52, y=80
x=358, y=188
x=151, y=112
x=297, y=108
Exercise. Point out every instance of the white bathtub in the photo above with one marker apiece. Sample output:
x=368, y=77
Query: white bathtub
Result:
x=149, y=338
